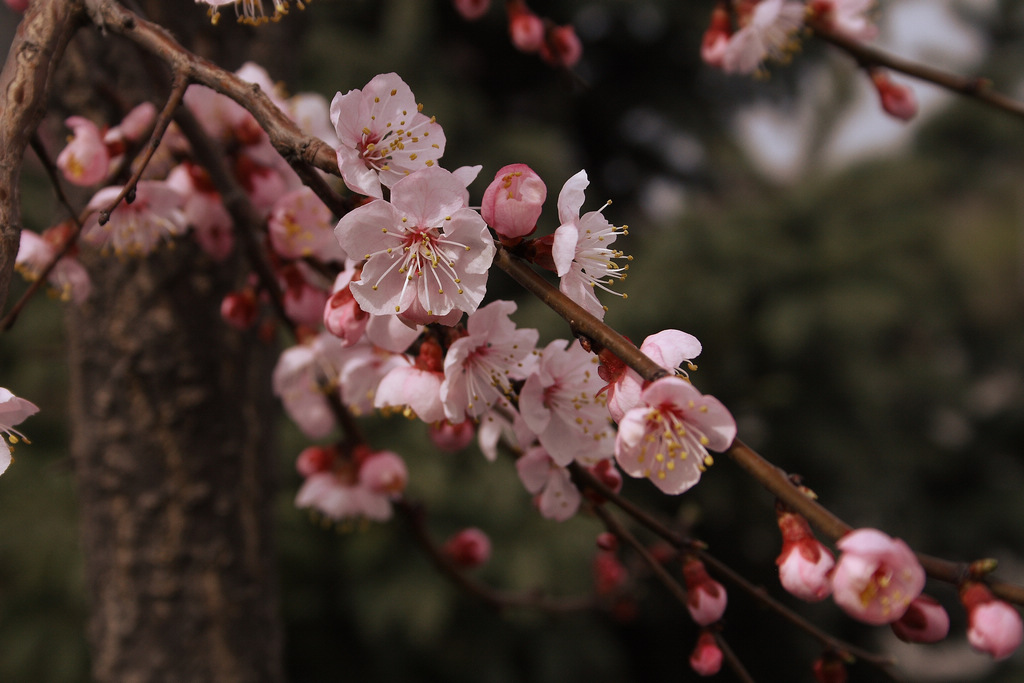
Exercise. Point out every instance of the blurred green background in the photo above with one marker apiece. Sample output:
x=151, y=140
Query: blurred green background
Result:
x=857, y=284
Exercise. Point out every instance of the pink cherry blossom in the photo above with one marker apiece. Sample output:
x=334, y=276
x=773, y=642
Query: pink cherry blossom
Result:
x=312, y=113
x=925, y=621
x=384, y=472
x=301, y=225
x=706, y=658
x=560, y=404
x=427, y=255
x=382, y=136
x=302, y=376
x=876, y=578
x=805, y=564
x=513, y=201
x=671, y=349
x=557, y=497
x=452, y=438
x=580, y=251
x=363, y=365
x=314, y=459
x=705, y=598
x=204, y=210
x=767, y=32
x=85, y=160
x=68, y=277
x=469, y=548
x=471, y=10
x=666, y=437
x=525, y=28
x=13, y=411
x=342, y=316
x=138, y=228
x=994, y=626
x=716, y=38
x=338, y=497
x=845, y=17
x=416, y=386
x=479, y=368
x=561, y=47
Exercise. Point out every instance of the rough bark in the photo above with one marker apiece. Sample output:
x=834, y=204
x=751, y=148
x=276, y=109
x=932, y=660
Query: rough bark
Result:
x=172, y=424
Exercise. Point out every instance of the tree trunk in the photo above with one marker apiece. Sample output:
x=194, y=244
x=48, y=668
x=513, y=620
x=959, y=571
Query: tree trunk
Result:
x=172, y=431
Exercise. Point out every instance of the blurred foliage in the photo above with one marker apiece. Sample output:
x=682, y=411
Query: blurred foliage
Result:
x=864, y=326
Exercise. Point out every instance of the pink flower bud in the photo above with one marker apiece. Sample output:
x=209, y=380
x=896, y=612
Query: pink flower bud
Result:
x=706, y=598
x=706, y=659
x=805, y=564
x=343, y=318
x=513, y=201
x=608, y=541
x=716, y=38
x=525, y=27
x=562, y=47
x=925, y=621
x=452, y=437
x=469, y=548
x=471, y=10
x=384, y=472
x=876, y=577
x=897, y=100
x=17, y=5
x=239, y=309
x=609, y=573
x=994, y=626
x=315, y=459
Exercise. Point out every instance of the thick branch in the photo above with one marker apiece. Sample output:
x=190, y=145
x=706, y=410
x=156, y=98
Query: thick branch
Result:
x=24, y=82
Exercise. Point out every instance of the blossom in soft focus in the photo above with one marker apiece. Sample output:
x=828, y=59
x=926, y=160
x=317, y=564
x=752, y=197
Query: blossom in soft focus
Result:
x=557, y=497
x=609, y=573
x=561, y=47
x=384, y=472
x=85, y=160
x=204, y=210
x=925, y=621
x=138, y=228
x=513, y=201
x=240, y=309
x=666, y=437
x=469, y=548
x=452, y=438
x=580, y=250
x=314, y=459
x=302, y=377
x=705, y=598
x=897, y=99
x=479, y=368
x=845, y=17
x=339, y=496
x=68, y=277
x=525, y=28
x=830, y=668
x=876, y=578
x=767, y=32
x=13, y=411
x=301, y=225
x=716, y=37
x=17, y=5
x=363, y=365
x=994, y=626
x=805, y=564
x=560, y=404
x=382, y=135
x=427, y=255
x=671, y=349
x=706, y=658
x=471, y=10
x=303, y=298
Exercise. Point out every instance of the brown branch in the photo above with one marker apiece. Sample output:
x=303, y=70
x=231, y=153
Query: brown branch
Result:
x=24, y=86
x=867, y=56
x=416, y=517
x=178, y=88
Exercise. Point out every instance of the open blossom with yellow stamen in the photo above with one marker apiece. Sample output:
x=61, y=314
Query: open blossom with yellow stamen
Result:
x=666, y=437
x=250, y=11
x=876, y=578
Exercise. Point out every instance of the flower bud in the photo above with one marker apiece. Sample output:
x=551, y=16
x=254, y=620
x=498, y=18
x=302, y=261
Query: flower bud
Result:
x=562, y=47
x=994, y=626
x=384, y=472
x=925, y=621
x=897, y=100
x=805, y=564
x=876, y=577
x=239, y=309
x=315, y=459
x=706, y=598
x=471, y=10
x=469, y=548
x=343, y=318
x=452, y=437
x=525, y=27
x=609, y=573
x=608, y=541
x=513, y=201
x=830, y=669
x=706, y=659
